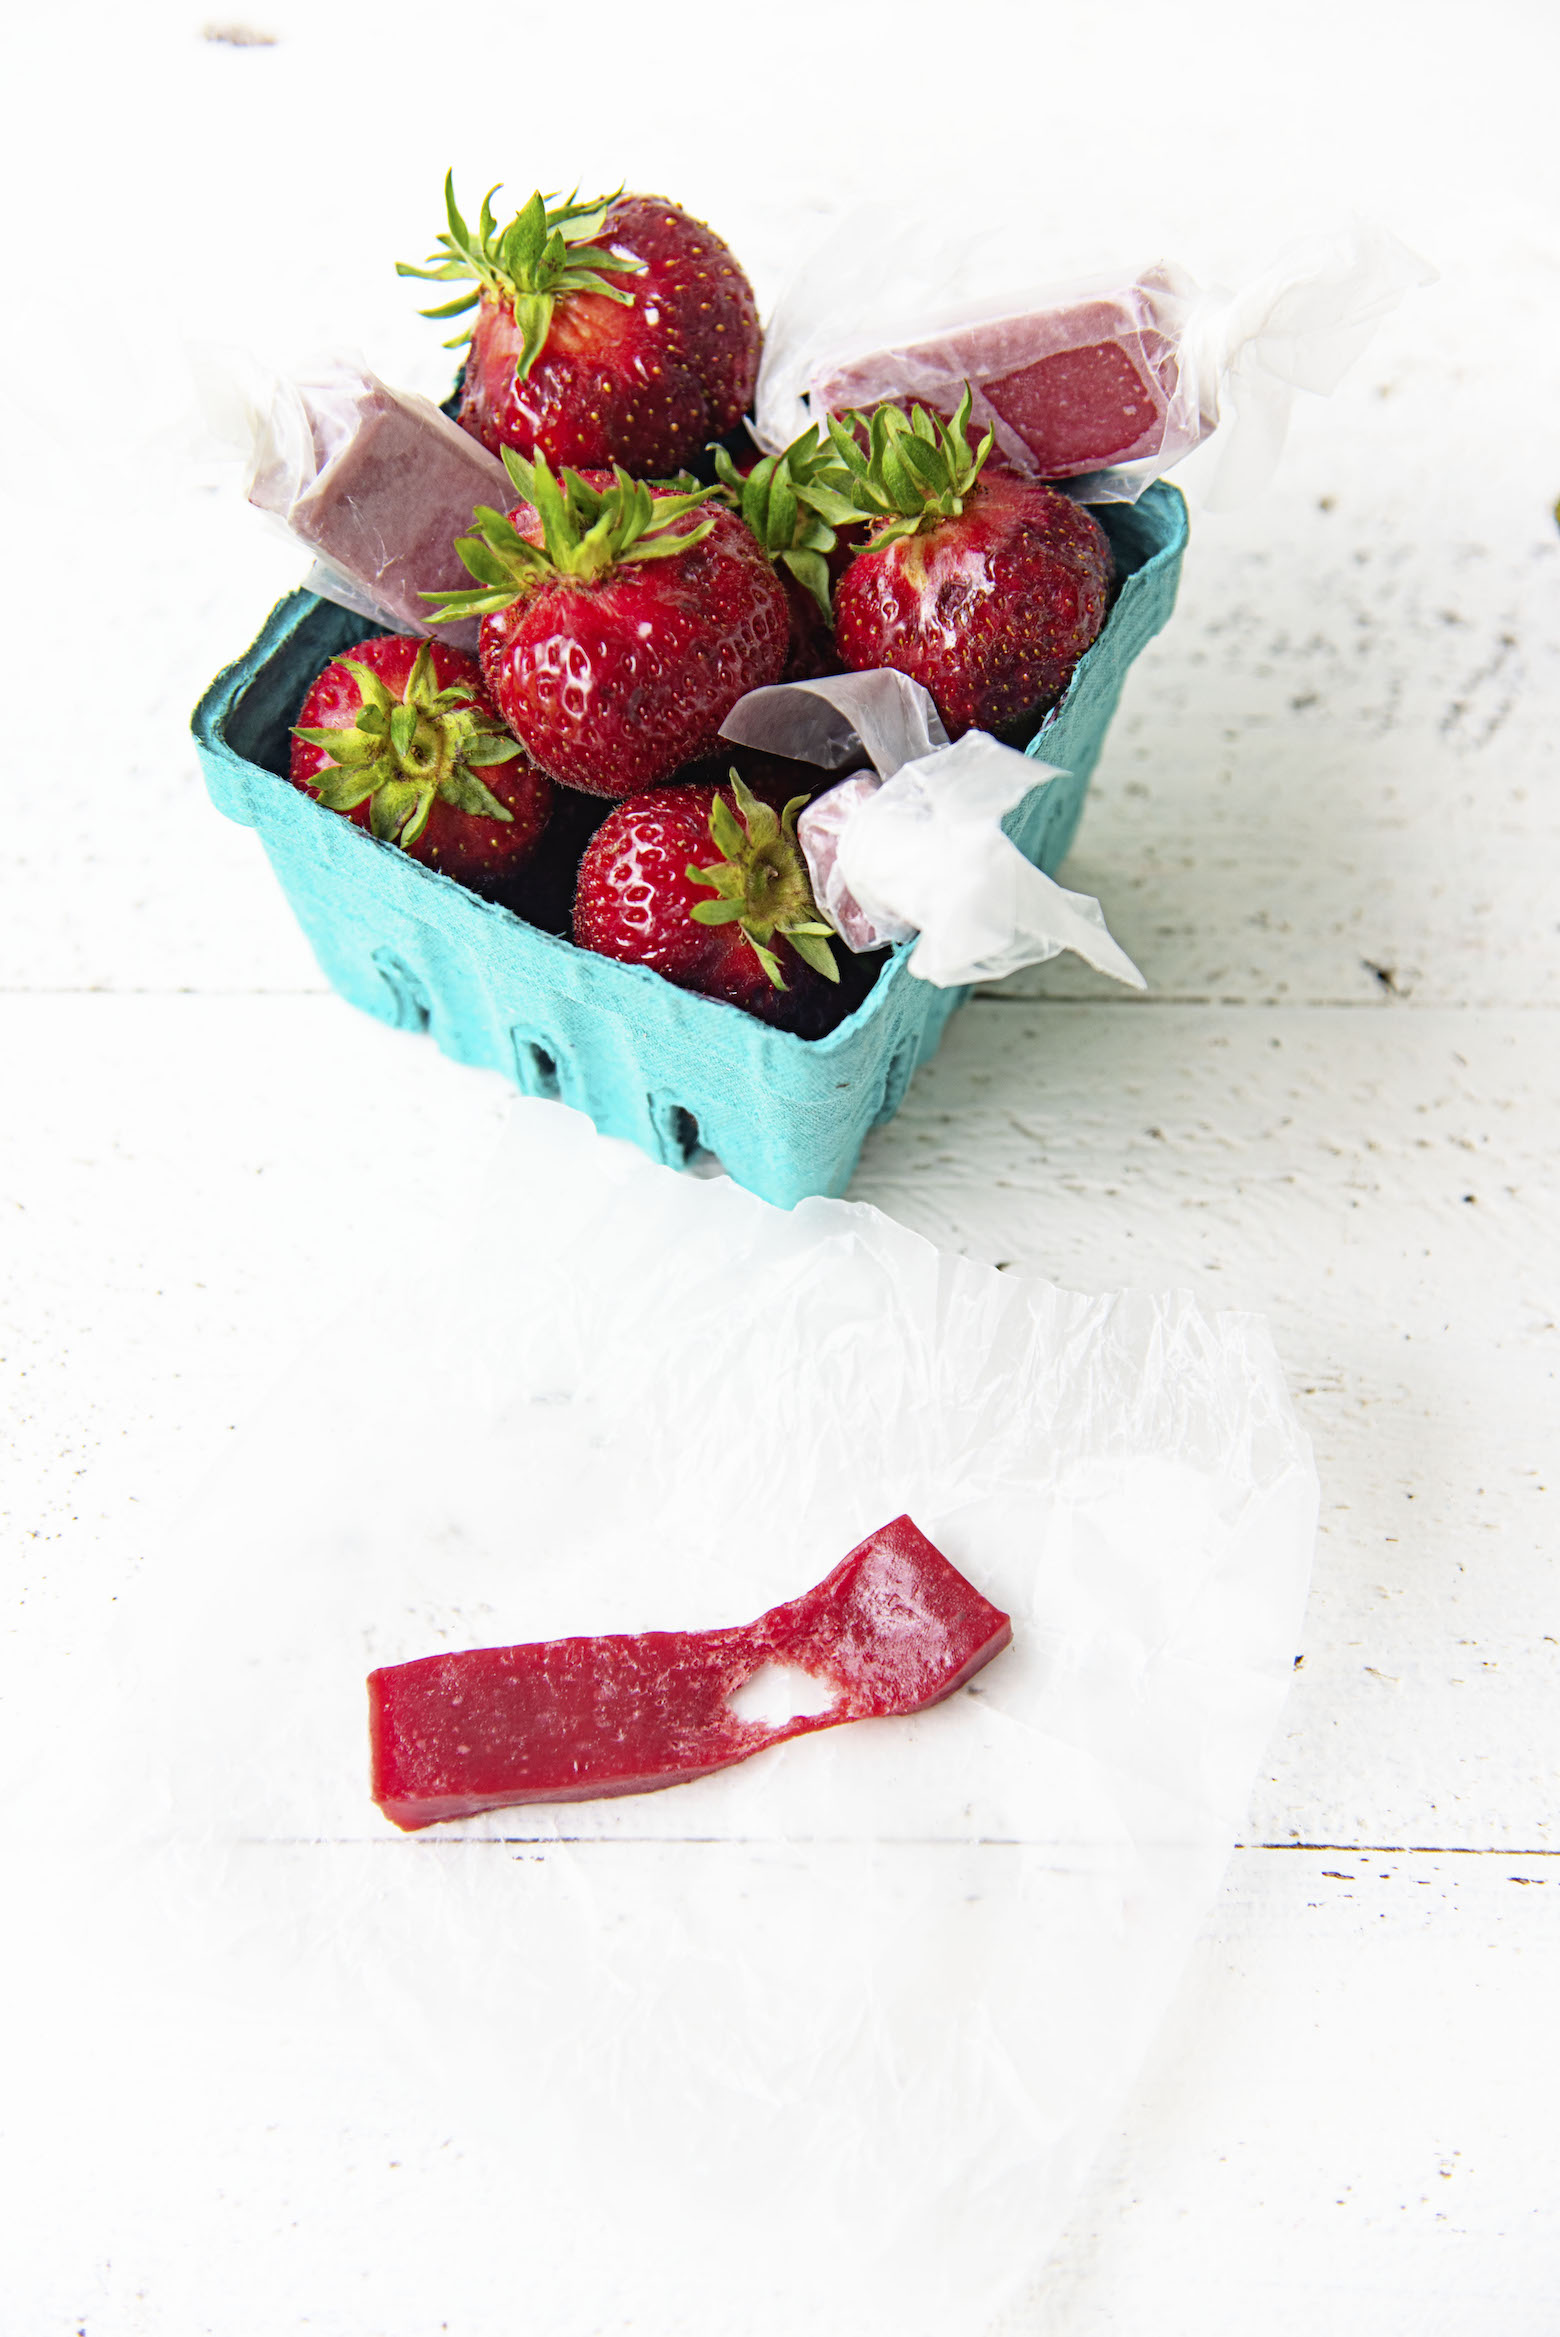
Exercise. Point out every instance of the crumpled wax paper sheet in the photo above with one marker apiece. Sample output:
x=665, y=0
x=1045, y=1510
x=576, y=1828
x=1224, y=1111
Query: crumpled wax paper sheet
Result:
x=916, y=846
x=824, y=2041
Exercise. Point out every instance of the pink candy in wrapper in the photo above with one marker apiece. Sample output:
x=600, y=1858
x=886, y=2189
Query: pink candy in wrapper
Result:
x=1109, y=380
x=378, y=483
x=1085, y=381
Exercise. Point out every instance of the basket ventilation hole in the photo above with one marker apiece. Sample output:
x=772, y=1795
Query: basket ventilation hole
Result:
x=679, y=1132
x=900, y=1072
x=537, y=1070
x=409, y=1000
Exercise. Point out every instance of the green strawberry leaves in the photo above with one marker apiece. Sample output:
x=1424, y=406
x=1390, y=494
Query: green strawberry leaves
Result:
x=545, y=253
x=487, y=746
x=586, y=530
x=402, y=755
x=915, y=470
x=787, y=501
x=464, y=791
x=760, y=882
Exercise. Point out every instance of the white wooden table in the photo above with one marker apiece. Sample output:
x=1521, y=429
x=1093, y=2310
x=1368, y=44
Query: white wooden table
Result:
x=1325, y=826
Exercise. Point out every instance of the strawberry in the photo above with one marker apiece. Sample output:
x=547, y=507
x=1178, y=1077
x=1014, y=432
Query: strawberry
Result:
x=652, y=893
x=617, y=331
x=791, y=510
x=401, y=736
x=619, y=627
x=983, y=586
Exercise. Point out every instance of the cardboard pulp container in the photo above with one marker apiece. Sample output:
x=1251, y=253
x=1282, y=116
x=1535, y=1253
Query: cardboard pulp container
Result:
x=668, y=1069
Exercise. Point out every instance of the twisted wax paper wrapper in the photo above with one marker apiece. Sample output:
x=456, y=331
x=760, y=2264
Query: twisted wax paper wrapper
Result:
x=376, y=482
x=1103, y=382
x=916, y=846
x=826, y=2040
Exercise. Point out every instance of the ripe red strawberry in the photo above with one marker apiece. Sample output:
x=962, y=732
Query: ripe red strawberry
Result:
x=619, y=627
x=401, y=736
x=677, y=880
x=986, y=589
x=614, y=331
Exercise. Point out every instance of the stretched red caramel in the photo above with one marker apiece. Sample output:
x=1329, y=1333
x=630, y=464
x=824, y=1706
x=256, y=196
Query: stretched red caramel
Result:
x=895, y=1627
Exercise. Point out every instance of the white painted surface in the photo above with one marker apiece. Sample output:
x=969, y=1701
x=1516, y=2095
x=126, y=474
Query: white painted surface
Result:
x=1325, y=827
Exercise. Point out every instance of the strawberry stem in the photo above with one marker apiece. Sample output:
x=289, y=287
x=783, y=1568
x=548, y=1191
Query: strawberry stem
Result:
x=787, y=502
x=586, y=531
x=545, y=253
x=401, y=755
x=760, y=882
x=916, y=469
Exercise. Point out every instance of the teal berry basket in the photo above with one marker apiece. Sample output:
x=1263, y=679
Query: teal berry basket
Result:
x=668, y=1069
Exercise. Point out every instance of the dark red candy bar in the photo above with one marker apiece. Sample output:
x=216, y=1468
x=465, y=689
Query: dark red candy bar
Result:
x=892, y=1629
